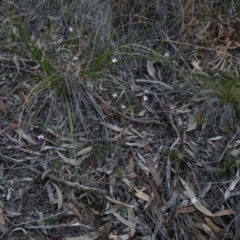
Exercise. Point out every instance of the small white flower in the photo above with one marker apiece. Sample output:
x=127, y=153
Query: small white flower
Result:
x=114, y=60
x=114, y=95
x=40, y=137
x=145, y=98
x=90, y=85
x=194, y=200
x=75, y=58
x=123, y=106
x=70, y=29
x=166, y=54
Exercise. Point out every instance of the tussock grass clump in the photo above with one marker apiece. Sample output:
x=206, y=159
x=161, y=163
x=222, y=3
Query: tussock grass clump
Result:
x=220, y=99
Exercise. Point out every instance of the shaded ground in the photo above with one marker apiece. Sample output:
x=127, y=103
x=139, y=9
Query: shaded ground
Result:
x=119, y=120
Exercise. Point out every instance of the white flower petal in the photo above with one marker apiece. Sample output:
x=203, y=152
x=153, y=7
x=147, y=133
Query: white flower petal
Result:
x=114, y=95
x=114, y=60
x=40, y=137
x=194, y=200
x=145, y=98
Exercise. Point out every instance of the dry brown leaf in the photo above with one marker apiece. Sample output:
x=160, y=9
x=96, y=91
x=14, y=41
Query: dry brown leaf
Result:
x=25, y=136
x=59, y=194
x=186, y=209
x=75, y=210
x=192, y=126
x=151, y=69
x=212, y=225
x=224, y=213
x=105, y=109
x=135, y=131
x=2, y=218
x=142, y=113
x=140, y=194
x=84, y=151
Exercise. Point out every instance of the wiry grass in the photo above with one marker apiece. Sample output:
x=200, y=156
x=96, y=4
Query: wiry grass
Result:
x=58, y=54
x=221, y=99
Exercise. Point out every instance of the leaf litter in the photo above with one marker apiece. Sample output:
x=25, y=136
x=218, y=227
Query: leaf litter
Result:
x=150, y=170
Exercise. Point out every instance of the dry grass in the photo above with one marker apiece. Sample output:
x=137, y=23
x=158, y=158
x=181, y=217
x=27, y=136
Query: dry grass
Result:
x=144, y=147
